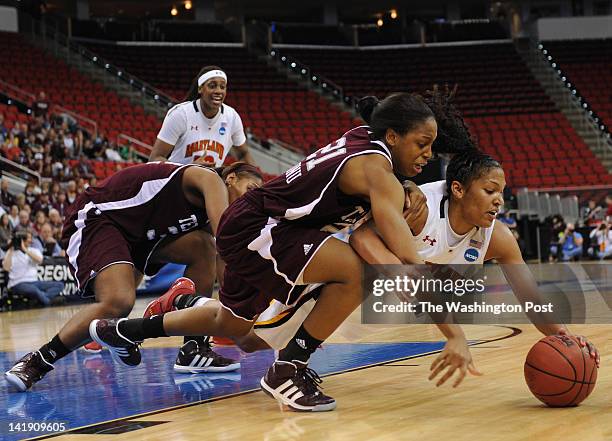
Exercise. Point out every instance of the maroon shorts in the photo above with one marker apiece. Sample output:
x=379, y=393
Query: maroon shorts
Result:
x=93, y=243
x=264, y=257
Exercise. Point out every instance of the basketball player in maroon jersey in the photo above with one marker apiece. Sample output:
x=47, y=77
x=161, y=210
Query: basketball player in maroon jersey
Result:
x=278, y=238
x=134, y=222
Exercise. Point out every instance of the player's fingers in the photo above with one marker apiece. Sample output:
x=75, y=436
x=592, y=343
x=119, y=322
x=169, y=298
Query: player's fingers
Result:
x=438, y=360
x=449, y=373
x=473, y=370
x=462, y=374
x=439, y=368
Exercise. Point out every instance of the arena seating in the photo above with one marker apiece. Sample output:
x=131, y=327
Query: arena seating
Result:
x=505, y=107
x=270, y=104
x=34, y=70
x=588, y=65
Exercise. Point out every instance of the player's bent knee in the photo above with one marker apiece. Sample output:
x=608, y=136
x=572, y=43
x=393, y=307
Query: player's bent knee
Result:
x=118, y=306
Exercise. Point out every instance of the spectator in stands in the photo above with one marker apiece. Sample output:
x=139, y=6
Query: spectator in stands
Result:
x=46, y=243
x=81, y=185
x=61, y=205
x=609, y=204
x=21, y=262
x=14, y=216
x=601, y=241
x=43, y=203
x=88, y=149
x=30, y=193
x=71, y=191
x=505, y=218
x=54, y=191
x=37, y=164
x=6, y=199
x=6, y=232
x=83, y=168
x=78, y=142
x=3, y=129
x=24, y=225
x=41, y=106
x=69, y=145
x=557, y=228
x=127, y=152
x=39, y=220
x=571, y=248
x=203, y=121
x=592, y=214
x=20, y=201
x=55, y=220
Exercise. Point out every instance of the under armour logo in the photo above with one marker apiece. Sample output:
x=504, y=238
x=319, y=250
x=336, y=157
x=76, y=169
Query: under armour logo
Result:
x=307, y=249
x=301, y=343
x=194, y=127
x=430, y=240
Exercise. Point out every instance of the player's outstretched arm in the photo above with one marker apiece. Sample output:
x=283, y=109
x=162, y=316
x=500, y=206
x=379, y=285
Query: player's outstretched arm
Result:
x=504, y=248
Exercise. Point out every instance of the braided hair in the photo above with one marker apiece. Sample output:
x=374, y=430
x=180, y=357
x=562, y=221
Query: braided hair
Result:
x=467, y=166
x=453, y=134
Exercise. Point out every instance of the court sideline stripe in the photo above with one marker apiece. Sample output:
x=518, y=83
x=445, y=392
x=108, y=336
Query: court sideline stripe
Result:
x=514, y=333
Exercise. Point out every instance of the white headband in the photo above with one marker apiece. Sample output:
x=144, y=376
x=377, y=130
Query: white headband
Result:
x=211, y=74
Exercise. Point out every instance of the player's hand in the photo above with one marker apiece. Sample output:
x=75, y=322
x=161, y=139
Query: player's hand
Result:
x=202, y=160
x=455, y=357
x=583, y=341
x=415, y=203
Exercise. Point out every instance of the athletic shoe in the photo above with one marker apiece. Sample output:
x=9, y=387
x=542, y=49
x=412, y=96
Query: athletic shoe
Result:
x=194, y=358
x=296, y=386
x=165, y=303
x=106, y=333
x=223, y=341
x=92, y=348
x=30, y=369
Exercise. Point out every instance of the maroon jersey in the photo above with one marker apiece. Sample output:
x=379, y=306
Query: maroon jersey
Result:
x=145, y=202
x=308, y=193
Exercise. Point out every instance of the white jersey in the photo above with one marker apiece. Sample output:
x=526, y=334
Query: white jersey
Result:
x=436, y=244
x=194, y=135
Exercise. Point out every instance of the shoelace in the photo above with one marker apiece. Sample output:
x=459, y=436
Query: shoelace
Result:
x=309, y=379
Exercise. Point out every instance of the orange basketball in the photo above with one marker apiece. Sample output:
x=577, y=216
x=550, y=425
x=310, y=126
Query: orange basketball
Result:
x=559, y=372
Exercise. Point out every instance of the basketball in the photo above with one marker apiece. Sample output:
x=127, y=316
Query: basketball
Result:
x=559, y=372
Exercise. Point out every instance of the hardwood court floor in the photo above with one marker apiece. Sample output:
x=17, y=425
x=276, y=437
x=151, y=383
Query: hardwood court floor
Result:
x=378, y=398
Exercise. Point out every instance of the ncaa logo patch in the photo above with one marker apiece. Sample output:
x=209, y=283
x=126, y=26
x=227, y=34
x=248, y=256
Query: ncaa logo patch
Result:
x=222, y=131
x=471, y=255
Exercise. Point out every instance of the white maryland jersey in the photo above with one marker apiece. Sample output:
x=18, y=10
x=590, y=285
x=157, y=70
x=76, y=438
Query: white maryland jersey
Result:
x=193, y=134
x=433, y=244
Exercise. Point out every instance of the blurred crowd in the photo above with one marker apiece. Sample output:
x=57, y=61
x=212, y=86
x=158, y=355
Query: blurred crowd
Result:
x=591, y=238
x=63, y=154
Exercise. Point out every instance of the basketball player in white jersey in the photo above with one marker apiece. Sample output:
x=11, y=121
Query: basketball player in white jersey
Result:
x=202, y=129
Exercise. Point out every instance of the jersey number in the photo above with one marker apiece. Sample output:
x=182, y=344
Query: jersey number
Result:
x=329, y=151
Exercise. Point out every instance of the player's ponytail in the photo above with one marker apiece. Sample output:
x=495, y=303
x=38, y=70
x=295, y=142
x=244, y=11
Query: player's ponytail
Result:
x=401, y=112
x=193, y=93
x=468, y=165
x=453, y=135
x=365, y=107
